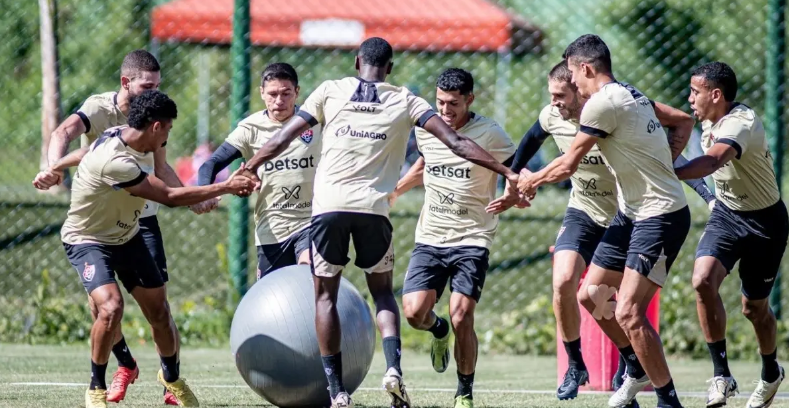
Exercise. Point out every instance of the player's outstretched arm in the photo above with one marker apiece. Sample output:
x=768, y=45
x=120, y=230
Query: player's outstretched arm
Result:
x=54, y=174
x=219, y=160
x=411, y=179
x=716, y=157
x=466, y=148
x=70, y=129
x=278, y=143
x=561, y=168
x=151, y=188
x=679, y=125
x=165, y=173
x=698, y=185
x=529, y=146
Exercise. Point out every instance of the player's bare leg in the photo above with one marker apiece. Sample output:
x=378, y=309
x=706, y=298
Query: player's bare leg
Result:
x=418, y=310
x=387, y=316
x=567, y=269
x=127, y=371
x=635, y=294
x=329, y=332
x=596, y=296
x=108, y=304
x=461, y=311
x=156, y=309
x=708, y=275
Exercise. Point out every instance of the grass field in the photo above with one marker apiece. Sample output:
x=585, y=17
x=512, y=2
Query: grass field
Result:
x=501, y=381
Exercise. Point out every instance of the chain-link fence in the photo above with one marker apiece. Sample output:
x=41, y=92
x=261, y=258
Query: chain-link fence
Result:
x=655, y=44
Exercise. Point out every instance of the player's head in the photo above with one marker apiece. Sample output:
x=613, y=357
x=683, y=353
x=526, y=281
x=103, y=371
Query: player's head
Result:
x=140, y=71
x=454, y=95
x=713, y=87
x=587, y=57
x=375, y=52
x=152, y=113
x=279, y=88
x=564, y=94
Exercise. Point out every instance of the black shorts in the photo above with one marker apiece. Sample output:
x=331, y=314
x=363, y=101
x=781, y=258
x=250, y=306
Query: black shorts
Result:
x=430, y=267
x=648, y=246
x=149, y=229
x=97, y=264
x=275, y=256
x=756, y=238
x=579, y=233
x=330, y=237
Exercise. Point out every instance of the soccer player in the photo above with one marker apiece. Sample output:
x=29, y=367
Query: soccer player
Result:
x=652, y=221
x=366, y=122
x=590, y=210
x=748, y=224
x=284, y=205
x=454, y=232
x=102, y=238
x=140, y=71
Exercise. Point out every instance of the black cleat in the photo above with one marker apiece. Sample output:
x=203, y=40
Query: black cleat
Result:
x=573, y=379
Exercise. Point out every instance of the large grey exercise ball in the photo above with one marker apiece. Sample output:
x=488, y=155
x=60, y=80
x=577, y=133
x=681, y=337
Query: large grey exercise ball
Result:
x=275, y=346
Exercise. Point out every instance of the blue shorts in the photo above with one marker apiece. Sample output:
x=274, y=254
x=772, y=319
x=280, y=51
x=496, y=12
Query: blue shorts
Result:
x=430, y=267
x=579, y=233
x=275, y=256
x=648, y=246
x=755, y=238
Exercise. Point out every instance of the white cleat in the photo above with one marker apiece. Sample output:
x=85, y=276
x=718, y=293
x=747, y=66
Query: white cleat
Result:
x=721, y=389
x=393, y=384
x=342, y=400
x=764, y=393
x=625, y=394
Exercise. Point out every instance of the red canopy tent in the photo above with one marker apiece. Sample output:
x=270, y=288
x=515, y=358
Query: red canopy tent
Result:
x=456, y=25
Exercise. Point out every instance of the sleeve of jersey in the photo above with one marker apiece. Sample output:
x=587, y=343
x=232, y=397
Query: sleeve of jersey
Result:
x=733, y=133
x=501, y=146
x=598, y=117
x=529, y=145
x=419, y=110
x=89, y=112
x=122, y=172
x=312, y=109
x=698, y=185
x=241, y=139
x=219, y=160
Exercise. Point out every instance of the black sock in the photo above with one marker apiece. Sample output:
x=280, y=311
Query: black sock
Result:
x=392, y=353
x=440, y=328
x=634, y=368
x=720, y=362
x=573, y=349
x=770, y=370
x=170, y=368
x=465, y=385
x=123, y=354
x=667, y=396
x=178, y=366
x=98, y=374
x=332, y=366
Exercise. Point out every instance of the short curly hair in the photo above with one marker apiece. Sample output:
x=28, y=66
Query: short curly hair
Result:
x=719, y=75
x=151, y=106
x=456, y=79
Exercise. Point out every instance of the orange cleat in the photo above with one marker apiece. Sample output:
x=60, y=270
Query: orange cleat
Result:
x=120, y=382
x=170, y=399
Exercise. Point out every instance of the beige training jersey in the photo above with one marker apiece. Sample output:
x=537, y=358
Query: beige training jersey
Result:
x=100, y=112
x=748, y=182
x=594, y=186
x=457, y=191
x=365, y=133
x=284, y=202
x=636, y=149
x=101, y=211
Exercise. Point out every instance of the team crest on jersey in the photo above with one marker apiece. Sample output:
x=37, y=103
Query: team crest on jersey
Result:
x=306, y=137
x=88, y=272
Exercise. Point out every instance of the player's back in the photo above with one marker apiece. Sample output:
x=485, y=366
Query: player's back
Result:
x=101, y=210
x=457, y=191
x=636, y=149
x=365, y=133
x=747, y=183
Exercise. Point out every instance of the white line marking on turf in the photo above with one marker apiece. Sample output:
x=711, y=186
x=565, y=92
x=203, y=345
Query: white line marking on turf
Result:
x=780, y=395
